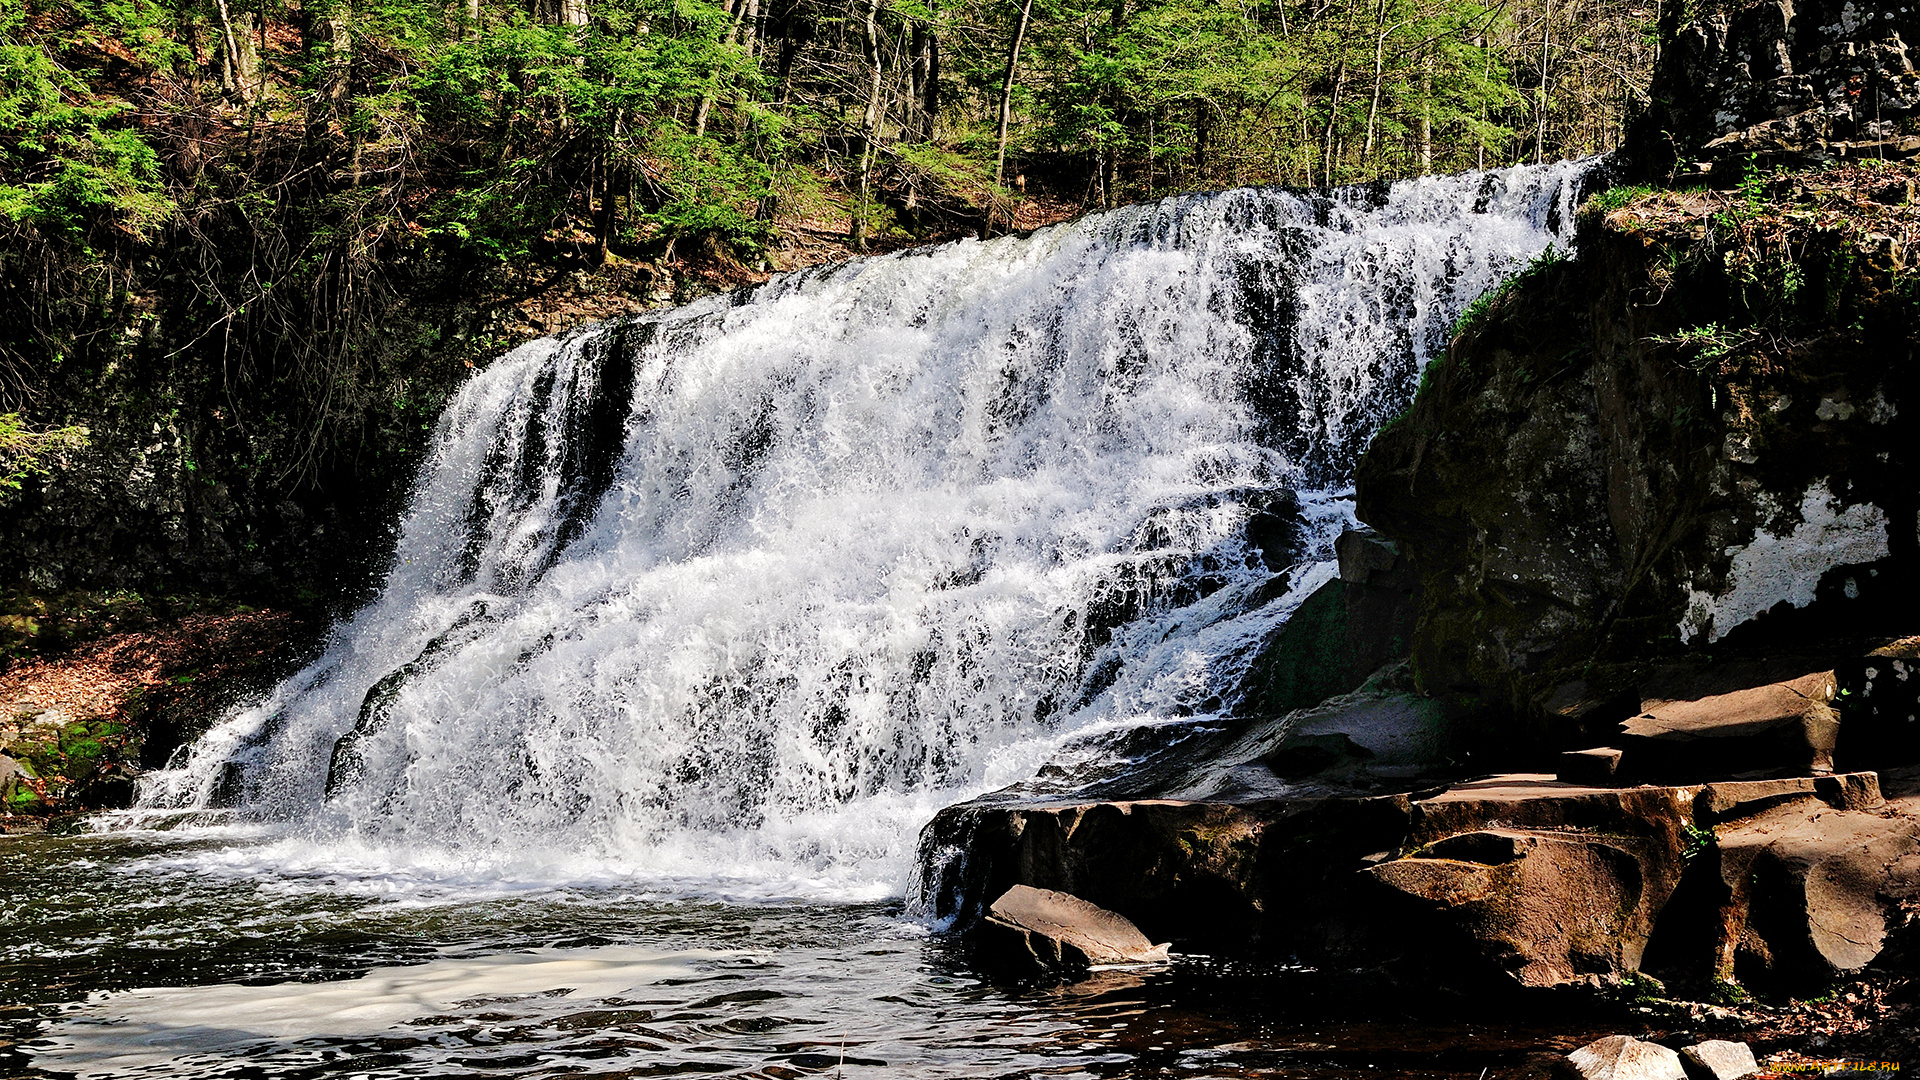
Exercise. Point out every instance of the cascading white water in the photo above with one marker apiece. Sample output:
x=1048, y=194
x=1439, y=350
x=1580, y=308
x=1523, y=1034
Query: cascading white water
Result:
x=736, y=596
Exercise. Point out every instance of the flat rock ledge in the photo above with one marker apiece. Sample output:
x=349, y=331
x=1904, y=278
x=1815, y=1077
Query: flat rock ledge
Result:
x=1517, y=881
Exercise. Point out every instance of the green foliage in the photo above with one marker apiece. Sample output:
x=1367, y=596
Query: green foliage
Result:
x=61, y=763
x=1697, y=842
x=1602, y=203
x=252, y=229
x=1728, y=992
x=1706, y=347
x=1750, y=195
x=1640, y=986
x=69, y=162
x=25, y=452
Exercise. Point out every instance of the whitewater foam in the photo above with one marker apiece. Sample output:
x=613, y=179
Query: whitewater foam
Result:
x=732, y=598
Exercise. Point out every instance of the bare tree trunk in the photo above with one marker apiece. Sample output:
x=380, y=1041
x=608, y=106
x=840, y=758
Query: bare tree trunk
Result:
x=1333, y=115
x=930, y=89
x=750, y=28
x=705, y=110
x=240, y=59
x=923, y=93
x=1426, y=114
x=1379, y=78
x=330, y=42
x=869, y=123
x=561, y=12
x=1540, y=133
x=1006, y=93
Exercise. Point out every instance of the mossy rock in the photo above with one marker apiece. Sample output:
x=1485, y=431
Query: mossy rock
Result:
x=78, y=765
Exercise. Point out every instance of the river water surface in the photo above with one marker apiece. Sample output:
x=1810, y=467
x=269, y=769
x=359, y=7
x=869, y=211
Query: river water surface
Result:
x=124, y=958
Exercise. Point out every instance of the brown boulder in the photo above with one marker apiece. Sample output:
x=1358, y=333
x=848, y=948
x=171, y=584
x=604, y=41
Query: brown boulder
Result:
x=1719, y=1059
x=1623, y=1057
x=1511, y=882
x=1809, y=890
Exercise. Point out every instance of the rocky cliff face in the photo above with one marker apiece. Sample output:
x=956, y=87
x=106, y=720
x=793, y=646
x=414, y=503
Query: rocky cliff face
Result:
x=1690, y=441
x=1795, y=83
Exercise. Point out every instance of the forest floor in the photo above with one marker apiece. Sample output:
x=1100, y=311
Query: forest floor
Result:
x=1868, y=1020
x=95, y=686
x=553, y=302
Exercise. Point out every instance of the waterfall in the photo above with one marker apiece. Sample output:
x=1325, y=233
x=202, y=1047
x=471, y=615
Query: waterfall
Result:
x=735, y=596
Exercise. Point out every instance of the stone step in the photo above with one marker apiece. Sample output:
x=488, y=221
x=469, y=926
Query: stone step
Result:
x=1596, y=766
x=1695, y=724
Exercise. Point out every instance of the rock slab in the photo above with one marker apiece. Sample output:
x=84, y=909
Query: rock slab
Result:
x=1042, y=931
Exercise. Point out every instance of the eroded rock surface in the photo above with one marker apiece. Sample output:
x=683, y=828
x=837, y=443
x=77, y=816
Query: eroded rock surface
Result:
x=1516, y=881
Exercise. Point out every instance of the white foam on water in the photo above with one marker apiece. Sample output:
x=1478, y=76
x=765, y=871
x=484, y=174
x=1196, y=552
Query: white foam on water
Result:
x=731, y=599
x=163, y=1030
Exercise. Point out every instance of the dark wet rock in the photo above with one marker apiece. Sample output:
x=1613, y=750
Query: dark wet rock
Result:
x=1879, y=701
x=1040, y=932
x=1793, y=83
x=1718, y=1059
x=1582, y=506
x=1270, y=875
x=1380, y=733
x=1623, y=1057
x=1342, y=634
x=1367, y=558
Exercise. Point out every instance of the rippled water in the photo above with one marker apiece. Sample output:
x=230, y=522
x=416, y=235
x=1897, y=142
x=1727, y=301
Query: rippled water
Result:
x=122, y=959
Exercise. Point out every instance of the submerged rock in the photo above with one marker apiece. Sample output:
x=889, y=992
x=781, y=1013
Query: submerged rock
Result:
x=1032, y=931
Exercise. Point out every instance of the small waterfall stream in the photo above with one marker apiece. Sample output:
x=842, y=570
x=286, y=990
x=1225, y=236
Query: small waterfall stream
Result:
x=732, y=598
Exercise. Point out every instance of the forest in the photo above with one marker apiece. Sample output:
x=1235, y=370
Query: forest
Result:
x=259, y=234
